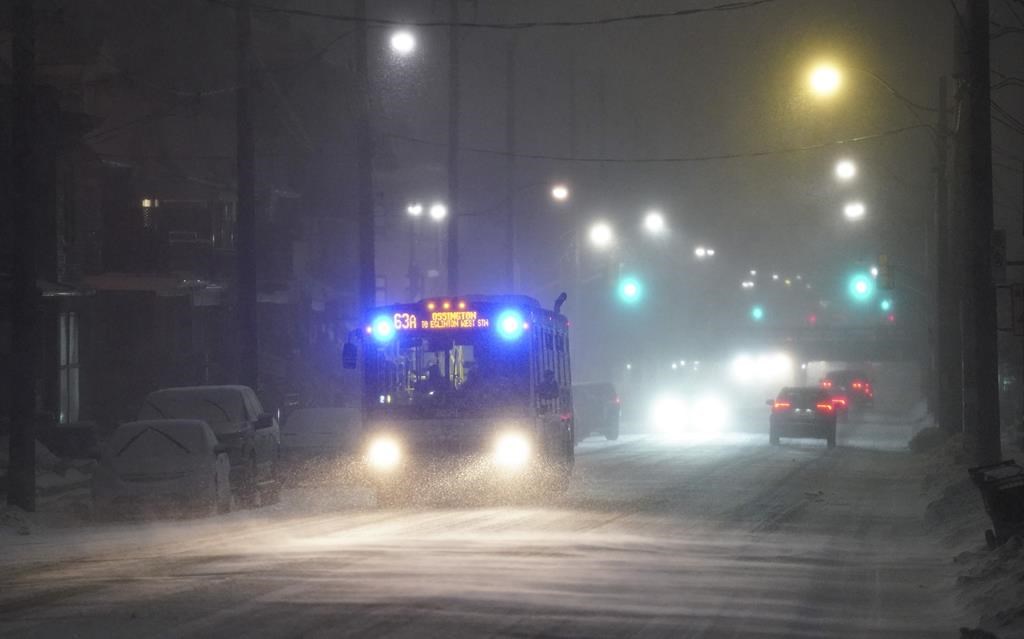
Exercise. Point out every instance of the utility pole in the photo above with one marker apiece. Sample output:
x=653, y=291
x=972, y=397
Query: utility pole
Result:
x=950, y=397
x=414, y=270
x=977, y=185
x=21, y=489
x=510, y=165
x=366, y=223
x=454, y=207
x=245, y=249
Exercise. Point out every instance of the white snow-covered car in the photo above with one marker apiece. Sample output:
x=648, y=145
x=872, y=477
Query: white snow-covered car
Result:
x=251, y=436
x=173, y=465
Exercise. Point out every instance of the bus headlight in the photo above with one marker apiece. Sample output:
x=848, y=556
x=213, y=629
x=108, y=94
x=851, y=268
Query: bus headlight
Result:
x=383, y=453
x=512, y=450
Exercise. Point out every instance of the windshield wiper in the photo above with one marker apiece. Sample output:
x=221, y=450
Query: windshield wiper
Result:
x=156, y=408
x=143, y=432
x=219, y=407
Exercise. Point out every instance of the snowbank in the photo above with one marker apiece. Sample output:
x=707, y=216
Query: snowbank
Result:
x=993, y=581
x=990, y=582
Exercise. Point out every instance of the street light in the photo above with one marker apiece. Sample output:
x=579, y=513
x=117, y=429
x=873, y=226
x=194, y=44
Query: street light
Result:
x=403, y=42
x=415, y=209
x=825, y=80
x=438, y=211
x=846, y=170
x=700, y=252
x=601, y=235
x=560, y=193
x=654, y=223
x=854, y=211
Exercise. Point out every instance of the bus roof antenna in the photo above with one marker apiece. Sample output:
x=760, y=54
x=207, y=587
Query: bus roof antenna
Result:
x=558, y=303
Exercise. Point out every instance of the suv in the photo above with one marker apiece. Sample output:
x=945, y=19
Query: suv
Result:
x=850, y=387
x=802, y=412
x=250, y=436
x=596, y=409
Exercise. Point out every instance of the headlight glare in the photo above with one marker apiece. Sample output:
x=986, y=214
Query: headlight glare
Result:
x=384, y=453
x=512, y=450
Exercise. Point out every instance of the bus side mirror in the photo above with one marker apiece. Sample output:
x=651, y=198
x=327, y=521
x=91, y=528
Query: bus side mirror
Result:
x=349, y=355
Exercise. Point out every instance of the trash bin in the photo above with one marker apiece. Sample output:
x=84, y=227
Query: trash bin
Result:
x=1002, y=491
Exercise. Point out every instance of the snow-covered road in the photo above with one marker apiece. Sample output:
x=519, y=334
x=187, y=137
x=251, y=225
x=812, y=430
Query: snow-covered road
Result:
x=654, y=539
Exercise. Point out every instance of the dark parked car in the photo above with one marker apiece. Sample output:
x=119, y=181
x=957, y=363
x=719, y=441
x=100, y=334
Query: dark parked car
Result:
x=250, y=436
x=597, y=410
x=802, y=412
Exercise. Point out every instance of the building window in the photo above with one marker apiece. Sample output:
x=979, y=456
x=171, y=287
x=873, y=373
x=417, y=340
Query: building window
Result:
x=68, y=368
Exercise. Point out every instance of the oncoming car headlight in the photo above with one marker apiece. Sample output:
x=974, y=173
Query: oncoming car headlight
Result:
x=701, y=418
x=512, y=450
x=668, y=415
x=384, y=453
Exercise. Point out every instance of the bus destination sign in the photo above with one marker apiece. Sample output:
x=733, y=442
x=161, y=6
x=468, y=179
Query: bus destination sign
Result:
x=440, y=320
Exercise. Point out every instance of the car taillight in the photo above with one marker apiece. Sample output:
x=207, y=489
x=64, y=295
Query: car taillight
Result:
x=778, y=406
x=825, y=408
x=858, y=385
x=839, y=401
x=826, y=383
x=617, y=400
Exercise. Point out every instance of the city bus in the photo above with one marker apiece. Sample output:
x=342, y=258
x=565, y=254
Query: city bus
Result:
x=466, y=389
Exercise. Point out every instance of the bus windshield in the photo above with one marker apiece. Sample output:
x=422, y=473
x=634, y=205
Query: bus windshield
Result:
x=421, y=376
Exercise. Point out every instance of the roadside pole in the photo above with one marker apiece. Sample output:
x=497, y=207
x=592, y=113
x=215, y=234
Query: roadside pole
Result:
x=950, y=397
x=510, y=165
x=454, y=206
x=979, y=206
x=245, y=249
x=366, y=218
x=21, y=488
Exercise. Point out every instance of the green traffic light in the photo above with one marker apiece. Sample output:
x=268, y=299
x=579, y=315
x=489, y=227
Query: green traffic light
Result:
x=630, y=290
x=861, y=287
x=886, y=305
x=757, y=313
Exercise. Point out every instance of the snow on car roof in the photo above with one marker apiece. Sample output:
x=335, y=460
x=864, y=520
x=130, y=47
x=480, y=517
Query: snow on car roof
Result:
x=213, y=404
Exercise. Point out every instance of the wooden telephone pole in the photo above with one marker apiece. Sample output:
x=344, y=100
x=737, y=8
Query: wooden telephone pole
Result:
x=21, y=489
x=246, y=307
x=981, y=350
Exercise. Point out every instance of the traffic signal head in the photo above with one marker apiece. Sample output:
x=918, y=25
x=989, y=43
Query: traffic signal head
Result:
x=861, y=287
x=630, y=290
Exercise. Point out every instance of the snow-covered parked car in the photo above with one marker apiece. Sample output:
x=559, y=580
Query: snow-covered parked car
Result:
x=172, y=464
x=251, y=435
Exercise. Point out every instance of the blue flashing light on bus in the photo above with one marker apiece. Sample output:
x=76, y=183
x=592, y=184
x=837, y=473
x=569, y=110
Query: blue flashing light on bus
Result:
x=383, y=329
x=510, y=324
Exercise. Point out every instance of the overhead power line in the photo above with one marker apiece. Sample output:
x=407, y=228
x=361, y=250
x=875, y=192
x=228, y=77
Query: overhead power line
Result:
x=385, y=22
x=561, y=158
x=672, y=159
